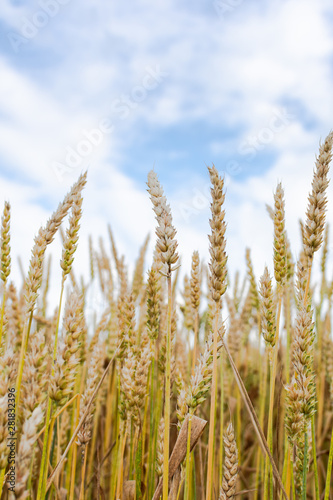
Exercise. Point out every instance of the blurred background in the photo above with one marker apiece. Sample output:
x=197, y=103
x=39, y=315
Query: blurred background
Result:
x=119, y=88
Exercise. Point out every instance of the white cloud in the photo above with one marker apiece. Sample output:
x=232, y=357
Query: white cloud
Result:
x=227, y=74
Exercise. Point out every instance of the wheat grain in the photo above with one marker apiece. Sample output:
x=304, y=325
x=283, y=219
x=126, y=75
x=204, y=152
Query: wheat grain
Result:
x=165, y=231
x=280, y=249
x=61, y=385
x=268, y=319
x=72, y=236
x=218, y=257
x=230, y=471
x=317, y=201
x=5, y=243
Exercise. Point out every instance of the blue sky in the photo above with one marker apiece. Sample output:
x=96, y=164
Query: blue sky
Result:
x=122, y=87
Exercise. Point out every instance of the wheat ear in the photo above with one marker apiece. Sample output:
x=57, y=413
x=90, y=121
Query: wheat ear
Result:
x=230, y=471
x=217, y=287
x=167, y=247
x=317, y=201
x=5, y=259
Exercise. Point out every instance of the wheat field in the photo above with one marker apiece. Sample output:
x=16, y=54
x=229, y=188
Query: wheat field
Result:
x=206, y=387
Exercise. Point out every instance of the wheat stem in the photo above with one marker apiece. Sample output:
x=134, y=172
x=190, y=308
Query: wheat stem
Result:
x=83, y=475
x=43, y=467
x=167, y=396
x=305, y=464
x=188, y=457
x=72, y=457
x=74, y=421
x=221, y=419
x=211, y=437
x=2, y=314
x=271, y=397
x=314, y=453
x=120, y=464
x=329, y=470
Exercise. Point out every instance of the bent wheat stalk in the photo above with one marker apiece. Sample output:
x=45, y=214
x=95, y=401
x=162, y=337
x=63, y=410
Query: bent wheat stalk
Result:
x=254, y=419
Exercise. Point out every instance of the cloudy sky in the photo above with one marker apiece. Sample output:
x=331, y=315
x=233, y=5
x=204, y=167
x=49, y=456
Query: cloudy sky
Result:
x=175, y=85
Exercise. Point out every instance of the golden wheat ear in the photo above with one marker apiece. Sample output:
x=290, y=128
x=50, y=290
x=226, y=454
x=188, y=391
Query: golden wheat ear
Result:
x=230, y=469
x=317, y=201
x=5, y=243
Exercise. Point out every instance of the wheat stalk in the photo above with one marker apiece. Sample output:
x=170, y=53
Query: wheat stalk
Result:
x=217, y=286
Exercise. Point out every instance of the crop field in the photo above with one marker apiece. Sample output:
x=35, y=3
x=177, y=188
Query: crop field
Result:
x=191, y=384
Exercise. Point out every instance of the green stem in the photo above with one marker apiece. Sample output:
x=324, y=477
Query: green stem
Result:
x=2, y=475
x=92, y=442
x=262, y=394
x=2, y=312
x=269, y=440
x=258, y=469
x=83, y=476
x=131, y=449
x=167, y=396
x=44, y=462
x=285, y=465
x=288, y=467
x=113, y=480
x=271, y=401
x=293, y=481
x=221, y=420
x=144, y=428
x=151, y=432
x=120, y=462
x=158, y=416
x=72, y=426
x=211, y=437
x=239, y=425
x=73, y=450
x=314, y=453
x=188, y=457
x=138, y=467
x=329, y=470
x=305, y=464
x=193, y=492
